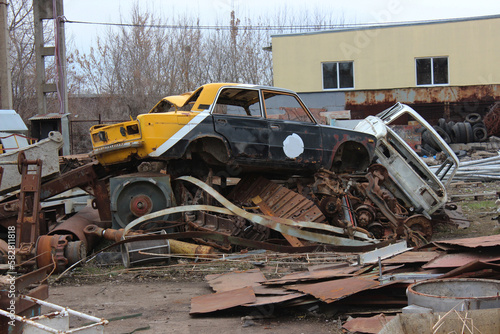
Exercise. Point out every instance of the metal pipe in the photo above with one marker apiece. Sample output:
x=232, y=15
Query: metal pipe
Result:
x=176, y=246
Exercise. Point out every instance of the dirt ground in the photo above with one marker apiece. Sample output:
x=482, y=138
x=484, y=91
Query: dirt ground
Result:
x=158, y=301
x=163, y=307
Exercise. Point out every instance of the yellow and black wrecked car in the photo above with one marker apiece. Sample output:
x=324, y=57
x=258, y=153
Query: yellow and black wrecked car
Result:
x=246, y=128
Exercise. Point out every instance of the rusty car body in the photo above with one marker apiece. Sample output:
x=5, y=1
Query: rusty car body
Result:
x=410, y=180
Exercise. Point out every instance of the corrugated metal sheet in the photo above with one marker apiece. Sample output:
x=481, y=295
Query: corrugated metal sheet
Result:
x=48, y=116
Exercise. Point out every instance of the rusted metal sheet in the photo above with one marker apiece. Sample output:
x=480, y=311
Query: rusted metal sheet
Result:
x=460, y=259
x=487, y=241
x=33, y=277
x=235, y=280
x=263, y=290
x=314, y=275
x=433, y=102
x=282, y=201
x=412, y=257
x=334, y=290
x=472, y=268
x=222, y=300
x=274, y=299
x=368, y=325
x=328, y=266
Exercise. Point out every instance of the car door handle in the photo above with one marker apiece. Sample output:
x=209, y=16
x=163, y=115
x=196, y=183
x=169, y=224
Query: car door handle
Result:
x=221, y=121
x=275, y=127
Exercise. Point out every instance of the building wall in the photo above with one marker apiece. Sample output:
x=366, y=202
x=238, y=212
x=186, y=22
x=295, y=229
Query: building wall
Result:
x=384, y=58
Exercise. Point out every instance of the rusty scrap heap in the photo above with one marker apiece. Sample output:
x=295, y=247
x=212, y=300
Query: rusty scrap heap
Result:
x=356, y=191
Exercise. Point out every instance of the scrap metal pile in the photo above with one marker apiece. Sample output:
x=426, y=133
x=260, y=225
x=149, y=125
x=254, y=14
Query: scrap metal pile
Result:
x=396, y=197
x=353, y=191
x=465, y=271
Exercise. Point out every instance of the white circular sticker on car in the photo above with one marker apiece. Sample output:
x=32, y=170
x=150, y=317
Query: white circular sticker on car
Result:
x=293, y=146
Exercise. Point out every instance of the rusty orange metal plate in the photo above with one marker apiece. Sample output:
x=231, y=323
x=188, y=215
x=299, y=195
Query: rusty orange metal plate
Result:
x=235, y=280
x=487, y=241
x=334, y=290
x=368, y=325
x=412, y=257
x=262, y=290
x=460, y=259
x=261, y=300
x=314, y=275
x=222, y=300
x=473, y=269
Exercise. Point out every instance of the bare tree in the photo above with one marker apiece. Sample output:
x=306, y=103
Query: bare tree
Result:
x=22, y=56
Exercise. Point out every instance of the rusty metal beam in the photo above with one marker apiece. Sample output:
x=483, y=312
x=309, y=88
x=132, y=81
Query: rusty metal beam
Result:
x=84, y=176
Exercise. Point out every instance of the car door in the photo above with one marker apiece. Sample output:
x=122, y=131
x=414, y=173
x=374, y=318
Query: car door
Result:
x=237, y=115
x=294, y=137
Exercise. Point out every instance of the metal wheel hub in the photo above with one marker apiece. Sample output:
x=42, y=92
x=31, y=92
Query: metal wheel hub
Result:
x=141, y=205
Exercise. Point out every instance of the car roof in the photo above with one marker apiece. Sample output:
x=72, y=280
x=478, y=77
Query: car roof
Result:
x=205, y=94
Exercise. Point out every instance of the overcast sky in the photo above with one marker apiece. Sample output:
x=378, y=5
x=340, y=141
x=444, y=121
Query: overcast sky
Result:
x=209, y=11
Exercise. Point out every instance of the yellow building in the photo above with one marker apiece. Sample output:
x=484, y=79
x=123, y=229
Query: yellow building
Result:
x=447, y=68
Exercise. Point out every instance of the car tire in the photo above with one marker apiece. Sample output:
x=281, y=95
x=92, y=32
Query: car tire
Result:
x=448, y=127
x=480, y=132
x=442, y=123
x=458, y=133
x=428, y=140
x=473, y=118
x=469, y=135
x=443, y=134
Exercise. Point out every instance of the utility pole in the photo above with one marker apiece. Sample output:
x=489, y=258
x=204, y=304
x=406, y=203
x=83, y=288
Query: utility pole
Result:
x=5, y=78
x=51, y=10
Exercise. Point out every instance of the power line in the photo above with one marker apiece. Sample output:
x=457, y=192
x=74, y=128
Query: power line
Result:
x=208, y=27
x=254, y=27
x=266, y=27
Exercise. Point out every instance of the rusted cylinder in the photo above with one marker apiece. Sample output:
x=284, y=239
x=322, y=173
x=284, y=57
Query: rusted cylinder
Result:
x=108, y=234
x=76, y=224
x=176, y=246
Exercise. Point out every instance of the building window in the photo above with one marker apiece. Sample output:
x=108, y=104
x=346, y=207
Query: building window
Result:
x=432, y=71
x=338, y=75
